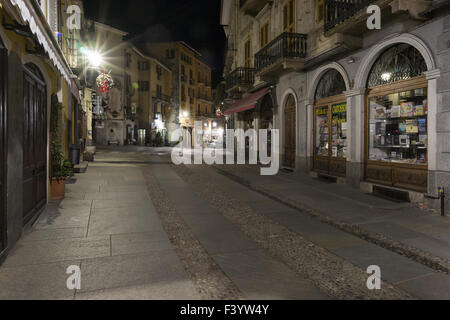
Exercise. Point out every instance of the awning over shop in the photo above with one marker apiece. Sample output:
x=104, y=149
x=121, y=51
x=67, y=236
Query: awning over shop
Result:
x=248, y=102
x=44, y=35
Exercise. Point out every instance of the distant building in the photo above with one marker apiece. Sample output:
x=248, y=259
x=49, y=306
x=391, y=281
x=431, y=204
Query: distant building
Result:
x=191, y=85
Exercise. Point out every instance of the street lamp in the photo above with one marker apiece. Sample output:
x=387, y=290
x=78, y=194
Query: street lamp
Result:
x=186, y=114
x=95, y=58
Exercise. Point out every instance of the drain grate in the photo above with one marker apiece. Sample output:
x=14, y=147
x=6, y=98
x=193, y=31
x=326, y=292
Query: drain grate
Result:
x=391, y=194
x=326, y=178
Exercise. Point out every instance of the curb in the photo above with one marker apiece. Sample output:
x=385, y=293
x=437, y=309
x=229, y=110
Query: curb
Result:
x=417, y=255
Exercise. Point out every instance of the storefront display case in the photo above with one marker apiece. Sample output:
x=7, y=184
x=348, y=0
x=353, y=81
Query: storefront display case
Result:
x=397, y=135
x=330, y=136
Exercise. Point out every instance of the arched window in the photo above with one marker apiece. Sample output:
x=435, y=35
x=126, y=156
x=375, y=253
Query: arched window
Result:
x=399, y=62
x=330, y=123
x=331, y=84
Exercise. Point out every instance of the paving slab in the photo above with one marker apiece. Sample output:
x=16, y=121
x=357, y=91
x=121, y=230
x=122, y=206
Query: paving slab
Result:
x=131, y=270
x=54, y=234
x=118, y=196
x=429, y=287
x=123, y=220
x=392, y=230
x=176, y=290
x=136, y=243
x=394, y=268
x=260, y=277
x=106, y=204
x=36, y=282
x=435, y=246
x=46, y=251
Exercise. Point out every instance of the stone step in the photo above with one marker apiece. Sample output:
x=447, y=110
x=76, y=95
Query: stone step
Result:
x=81, y=168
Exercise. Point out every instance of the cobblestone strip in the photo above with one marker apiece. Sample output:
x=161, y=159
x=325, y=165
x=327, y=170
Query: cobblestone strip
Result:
x=415, y=254
x=208, y=278
x=333, y=275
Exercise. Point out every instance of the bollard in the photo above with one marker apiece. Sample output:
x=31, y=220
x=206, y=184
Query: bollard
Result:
x=442, y=197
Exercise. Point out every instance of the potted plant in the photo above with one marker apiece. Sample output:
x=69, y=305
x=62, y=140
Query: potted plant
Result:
x=61, y=168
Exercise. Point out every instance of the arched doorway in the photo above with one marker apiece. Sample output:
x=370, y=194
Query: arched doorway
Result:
x=3, y=145
x=330, y=125
x=290, y=141
x=397, y=119
x=35, y=143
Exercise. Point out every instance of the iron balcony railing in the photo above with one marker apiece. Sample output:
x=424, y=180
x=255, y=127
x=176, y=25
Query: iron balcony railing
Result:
x=286, y=45
x=337, y=11
x=241, y=76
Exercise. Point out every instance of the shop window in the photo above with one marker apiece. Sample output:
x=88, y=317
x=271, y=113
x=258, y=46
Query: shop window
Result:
x=330, y=122
x=397, y=122
x=398, y=127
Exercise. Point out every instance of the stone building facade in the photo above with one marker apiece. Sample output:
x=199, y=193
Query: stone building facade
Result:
x=367, y=107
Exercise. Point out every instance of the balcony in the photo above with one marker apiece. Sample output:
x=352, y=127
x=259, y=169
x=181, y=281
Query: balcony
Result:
x=158, y=96
x=253, y=7
x=284, y=53
x=241, y=78
x=350, y=16
x=339, y=11
x=204, y=97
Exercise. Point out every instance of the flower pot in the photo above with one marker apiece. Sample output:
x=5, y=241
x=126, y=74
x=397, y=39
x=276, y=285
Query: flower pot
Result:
x=58, y=189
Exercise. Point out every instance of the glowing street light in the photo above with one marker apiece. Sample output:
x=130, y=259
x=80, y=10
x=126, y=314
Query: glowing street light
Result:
x=95, y=58
x=186, y=114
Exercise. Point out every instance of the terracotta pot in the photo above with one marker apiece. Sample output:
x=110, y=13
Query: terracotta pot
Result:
x=58, y=189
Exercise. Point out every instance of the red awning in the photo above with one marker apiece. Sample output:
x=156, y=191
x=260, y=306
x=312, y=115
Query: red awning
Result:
x=248, y=102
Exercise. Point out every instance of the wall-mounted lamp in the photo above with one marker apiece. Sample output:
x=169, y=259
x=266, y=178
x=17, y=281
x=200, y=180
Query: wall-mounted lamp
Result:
x=351, y=60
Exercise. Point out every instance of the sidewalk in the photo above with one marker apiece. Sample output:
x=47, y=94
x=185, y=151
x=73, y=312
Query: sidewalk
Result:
x=108, y=226
x=394, y=224
x=398, y=221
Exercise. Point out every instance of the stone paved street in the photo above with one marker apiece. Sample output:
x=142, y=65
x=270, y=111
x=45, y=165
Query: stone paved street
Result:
x=142, y=228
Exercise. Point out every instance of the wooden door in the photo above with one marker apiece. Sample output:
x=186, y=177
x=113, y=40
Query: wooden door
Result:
x=290, y=141
x=3, y=86
x=35, y=144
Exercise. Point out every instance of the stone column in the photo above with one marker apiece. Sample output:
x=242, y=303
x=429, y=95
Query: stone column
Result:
x=437, y=126
x=355, y=136
x=302, y=162
x=309, y=128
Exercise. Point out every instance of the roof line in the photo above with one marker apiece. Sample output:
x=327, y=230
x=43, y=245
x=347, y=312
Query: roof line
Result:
x=150, y=58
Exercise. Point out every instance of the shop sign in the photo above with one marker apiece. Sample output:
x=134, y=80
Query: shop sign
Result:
x=340, y=108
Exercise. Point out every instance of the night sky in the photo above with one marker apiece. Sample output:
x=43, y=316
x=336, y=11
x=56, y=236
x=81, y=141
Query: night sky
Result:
x=197, y=22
